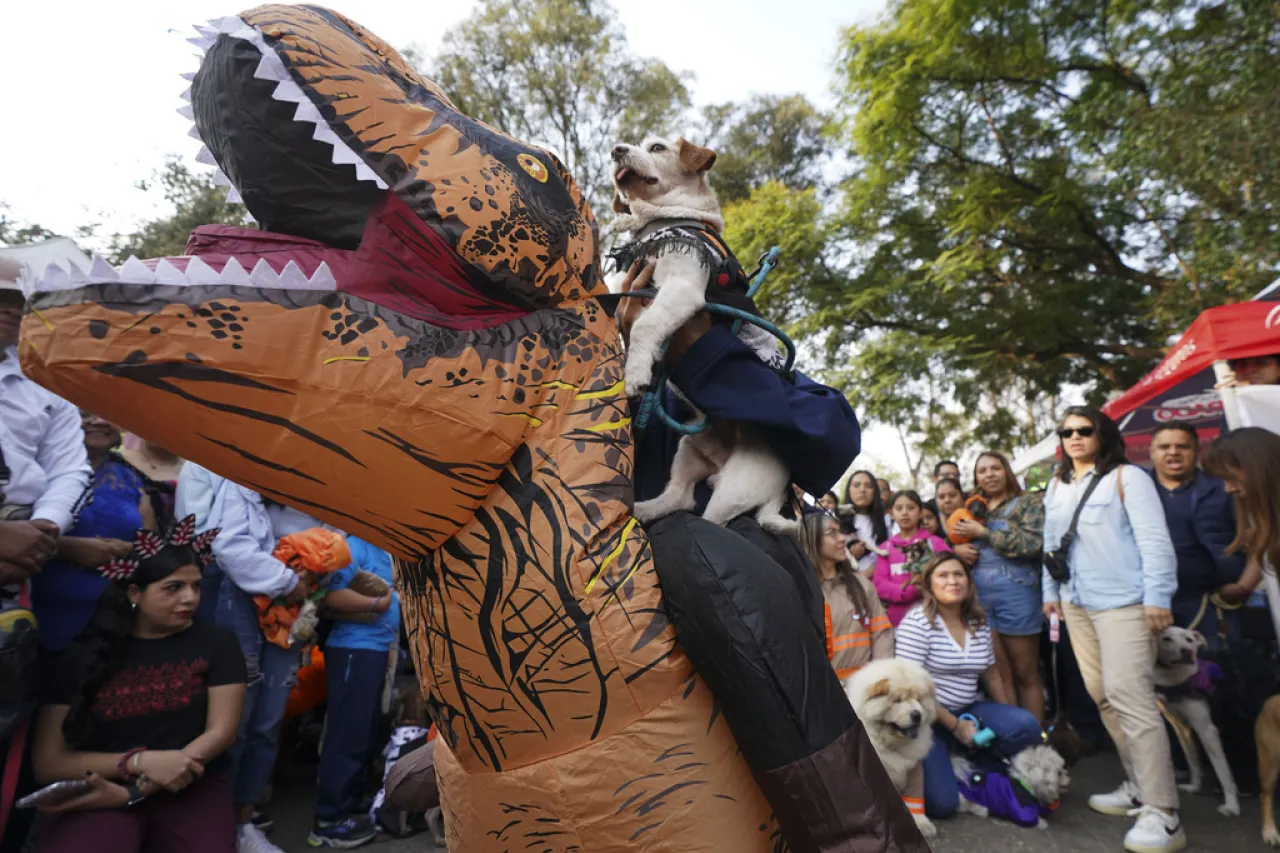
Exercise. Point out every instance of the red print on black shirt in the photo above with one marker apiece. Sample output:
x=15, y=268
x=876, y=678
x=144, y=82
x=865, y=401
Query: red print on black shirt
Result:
x=141, y=690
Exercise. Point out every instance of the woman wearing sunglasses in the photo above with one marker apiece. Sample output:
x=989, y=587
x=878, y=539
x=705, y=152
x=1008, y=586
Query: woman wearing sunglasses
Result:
x=1113, y=582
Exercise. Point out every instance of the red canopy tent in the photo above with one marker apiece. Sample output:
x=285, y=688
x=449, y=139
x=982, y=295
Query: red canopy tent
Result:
x=1182, y=385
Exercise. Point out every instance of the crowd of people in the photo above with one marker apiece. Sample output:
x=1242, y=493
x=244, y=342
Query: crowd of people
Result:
x=151, y=681
x=1033, y=611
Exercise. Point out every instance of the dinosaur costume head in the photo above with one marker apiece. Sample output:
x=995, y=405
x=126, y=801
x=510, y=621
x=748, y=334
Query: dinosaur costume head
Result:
x=413, y=351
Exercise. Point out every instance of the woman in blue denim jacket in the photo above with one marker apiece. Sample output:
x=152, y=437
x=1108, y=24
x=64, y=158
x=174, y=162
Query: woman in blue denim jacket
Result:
x=1123, y=574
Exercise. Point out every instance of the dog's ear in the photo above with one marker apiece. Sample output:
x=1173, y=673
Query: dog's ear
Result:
x=1201, y=642
x=620, y=206
x=880, y=688
x=694, y=158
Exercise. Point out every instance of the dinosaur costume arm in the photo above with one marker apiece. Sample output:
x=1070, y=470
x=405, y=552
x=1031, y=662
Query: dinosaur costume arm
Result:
x=810, y=426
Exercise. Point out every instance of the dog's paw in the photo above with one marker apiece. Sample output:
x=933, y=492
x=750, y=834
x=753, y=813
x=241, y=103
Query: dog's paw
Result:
x=779, y=526
x=1042, y=824
x=1271, y=837
x=647, y=511
x=637, y=376
x=926, y=827
x=1229, y=809
x=1190, y=788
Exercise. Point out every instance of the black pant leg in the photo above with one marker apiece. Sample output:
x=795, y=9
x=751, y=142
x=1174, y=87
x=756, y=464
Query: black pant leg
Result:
x=740, y=619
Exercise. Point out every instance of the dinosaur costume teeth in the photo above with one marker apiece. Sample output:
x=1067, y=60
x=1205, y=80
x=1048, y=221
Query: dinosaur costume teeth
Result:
x=271, y=68
x=190, y=272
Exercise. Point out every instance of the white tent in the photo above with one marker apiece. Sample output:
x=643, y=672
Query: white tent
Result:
x=56, y=250
x=1045, y=450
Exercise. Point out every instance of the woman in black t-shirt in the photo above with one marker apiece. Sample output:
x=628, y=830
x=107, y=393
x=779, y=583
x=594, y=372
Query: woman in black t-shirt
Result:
x=143, y=705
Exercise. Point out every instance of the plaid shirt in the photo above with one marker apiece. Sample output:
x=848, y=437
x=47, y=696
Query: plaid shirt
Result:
x=1023, y=536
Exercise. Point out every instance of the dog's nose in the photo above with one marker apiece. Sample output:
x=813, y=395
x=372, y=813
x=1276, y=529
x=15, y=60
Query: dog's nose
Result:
x=619, y=151
x=915, y=718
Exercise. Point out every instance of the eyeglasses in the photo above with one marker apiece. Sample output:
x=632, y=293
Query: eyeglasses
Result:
x=833, y=533
x=1083, y=432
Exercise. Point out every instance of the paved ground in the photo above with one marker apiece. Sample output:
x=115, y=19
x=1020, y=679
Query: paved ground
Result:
x=1074, y=828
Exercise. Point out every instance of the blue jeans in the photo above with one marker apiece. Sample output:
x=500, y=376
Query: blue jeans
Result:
x=272, y=674
x=354, y=678
x=1015, y=728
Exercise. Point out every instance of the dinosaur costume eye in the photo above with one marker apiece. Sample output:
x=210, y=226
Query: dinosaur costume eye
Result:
x=536, y=170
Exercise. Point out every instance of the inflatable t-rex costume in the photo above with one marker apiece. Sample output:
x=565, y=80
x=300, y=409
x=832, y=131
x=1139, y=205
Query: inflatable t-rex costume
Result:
x=413, y=349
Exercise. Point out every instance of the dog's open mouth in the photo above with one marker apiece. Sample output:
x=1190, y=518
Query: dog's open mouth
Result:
x=909, y=732
x=626, y=173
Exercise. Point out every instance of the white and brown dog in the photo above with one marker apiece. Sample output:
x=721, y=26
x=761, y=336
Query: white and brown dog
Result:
x=897, y=703
x=675, y=223
x=1178, y=669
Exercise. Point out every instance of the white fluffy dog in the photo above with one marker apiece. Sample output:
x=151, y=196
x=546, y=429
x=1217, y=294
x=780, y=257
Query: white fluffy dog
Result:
x=1177, y=665
x=674, y=219
x=1041, y=770
x=897, y=704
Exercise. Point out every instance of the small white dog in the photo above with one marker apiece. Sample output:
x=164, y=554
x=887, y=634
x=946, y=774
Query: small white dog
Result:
x=897, y=704
x=1177, y=667
x=1038, y=773
x=674, y=219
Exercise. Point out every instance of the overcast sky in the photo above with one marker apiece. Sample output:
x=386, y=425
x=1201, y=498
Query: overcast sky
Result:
x=93, y=89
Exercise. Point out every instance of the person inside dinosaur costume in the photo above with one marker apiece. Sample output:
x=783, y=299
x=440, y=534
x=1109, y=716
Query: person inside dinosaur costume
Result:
x=414, y=349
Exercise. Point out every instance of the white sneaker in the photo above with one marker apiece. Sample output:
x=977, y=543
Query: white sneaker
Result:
x=1155, y=832
x=1119, y=802
x=249, y=839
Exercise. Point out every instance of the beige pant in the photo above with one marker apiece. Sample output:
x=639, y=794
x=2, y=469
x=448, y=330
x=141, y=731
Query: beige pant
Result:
x=1117, y=655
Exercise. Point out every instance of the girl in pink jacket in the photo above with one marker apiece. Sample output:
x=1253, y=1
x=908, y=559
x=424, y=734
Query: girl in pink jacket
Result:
x=905, y=554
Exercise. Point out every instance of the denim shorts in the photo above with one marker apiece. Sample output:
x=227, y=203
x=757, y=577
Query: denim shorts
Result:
x=1011, y=597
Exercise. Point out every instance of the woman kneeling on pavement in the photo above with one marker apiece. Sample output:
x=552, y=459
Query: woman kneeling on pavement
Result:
x=144, y=703
x=947, y=634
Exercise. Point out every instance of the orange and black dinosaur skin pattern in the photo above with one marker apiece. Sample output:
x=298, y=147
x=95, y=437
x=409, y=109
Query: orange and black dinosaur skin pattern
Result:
x=457, y=399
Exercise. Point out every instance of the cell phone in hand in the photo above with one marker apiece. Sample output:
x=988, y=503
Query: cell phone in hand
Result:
x=52, y=795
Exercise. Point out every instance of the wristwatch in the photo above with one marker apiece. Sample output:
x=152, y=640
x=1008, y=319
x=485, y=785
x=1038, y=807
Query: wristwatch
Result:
x=135, y=794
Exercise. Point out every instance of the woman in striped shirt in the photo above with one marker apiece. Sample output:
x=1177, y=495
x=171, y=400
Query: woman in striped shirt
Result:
x=858, y=631
x=947, y=634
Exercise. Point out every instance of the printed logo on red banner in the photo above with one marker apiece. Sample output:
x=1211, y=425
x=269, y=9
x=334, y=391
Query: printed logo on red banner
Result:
x=1190, y=408
x=1170, y=365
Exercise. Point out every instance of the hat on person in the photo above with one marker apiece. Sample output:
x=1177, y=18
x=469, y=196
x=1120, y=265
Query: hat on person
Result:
x=10, y=272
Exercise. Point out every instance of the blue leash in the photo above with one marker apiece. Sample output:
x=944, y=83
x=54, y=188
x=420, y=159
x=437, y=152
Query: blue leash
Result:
x=651, y=403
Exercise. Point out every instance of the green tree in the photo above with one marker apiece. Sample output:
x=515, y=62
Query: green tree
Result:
x=1044, y=192
x=794, y=220
x=766, y=138
x=558, y=73
x=196, y=201
x=16, y=233
x=769, y=177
